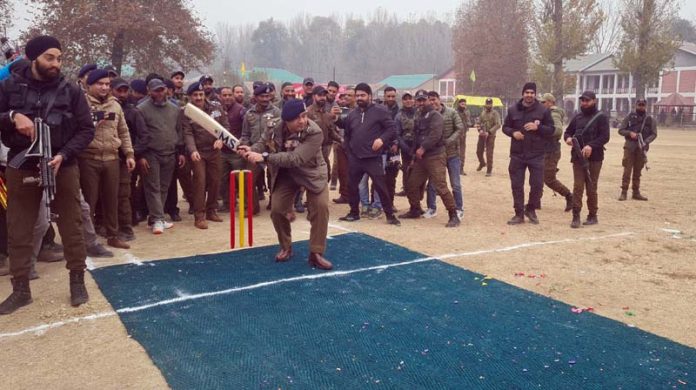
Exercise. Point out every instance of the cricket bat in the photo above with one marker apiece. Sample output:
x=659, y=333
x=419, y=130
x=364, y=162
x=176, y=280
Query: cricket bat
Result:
x=207, y=122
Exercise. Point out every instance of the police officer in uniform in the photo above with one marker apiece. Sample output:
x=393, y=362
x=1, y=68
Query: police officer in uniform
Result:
x=257, y=120
x=637, y=124
x=590, y=128
x=405, y=134
x=294, y=149
x=488, y=125
x=41, y=91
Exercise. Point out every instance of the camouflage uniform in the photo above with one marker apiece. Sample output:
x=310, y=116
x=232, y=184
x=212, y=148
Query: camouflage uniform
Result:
x=256, y=123
x=490, y=123
x=466, y=119
x=553, y=154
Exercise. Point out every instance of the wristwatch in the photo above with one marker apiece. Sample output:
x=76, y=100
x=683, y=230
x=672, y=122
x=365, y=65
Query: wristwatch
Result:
x=265, y=156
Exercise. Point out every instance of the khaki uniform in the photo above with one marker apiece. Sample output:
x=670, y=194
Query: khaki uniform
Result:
x=206, y=172
x=297, y=162
x=633, y=159
x=553, y=153
x=323, y=117
x=490, y=124
x=99, y=163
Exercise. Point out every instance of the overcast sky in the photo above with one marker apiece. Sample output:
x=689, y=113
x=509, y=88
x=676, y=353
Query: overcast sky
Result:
x=215, y=11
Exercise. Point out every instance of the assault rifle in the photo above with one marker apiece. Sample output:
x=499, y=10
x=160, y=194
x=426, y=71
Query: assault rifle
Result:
x=644, y=149
x=41, y=149
x=584, y=162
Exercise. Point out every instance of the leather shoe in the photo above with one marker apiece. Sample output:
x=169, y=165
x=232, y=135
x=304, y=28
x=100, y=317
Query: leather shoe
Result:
x=318, y=261
x=340, y=200
x=201, y=224
x=213, y=217
x=283, y=255
x=116, y=242
x=175, y=217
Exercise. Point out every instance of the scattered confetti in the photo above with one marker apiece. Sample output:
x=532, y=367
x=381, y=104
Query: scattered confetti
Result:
x=338, y=368
x=630, y=314
x=487, y=277
x=531, y=276
x=484, y=284
x=578, y=310
x=625, y=308
x=681, y=381
x=524, y=370
x=571, y=362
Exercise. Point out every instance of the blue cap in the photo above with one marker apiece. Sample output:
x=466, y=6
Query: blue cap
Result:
x=86, y=69
x=261, y=89
x=97, y=75
x=197, y=86
x=292, y=109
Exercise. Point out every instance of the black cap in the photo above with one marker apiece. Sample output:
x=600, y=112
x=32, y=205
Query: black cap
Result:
x=119, y=83
x=421, y=94
x=489, y=101
x=112, y=71
x=204, y=78
x=588, y=95
x=178, y=73
x=405, y=95
x=641, y=101
x=156, y=84
x=318, y=90
x=308, y=80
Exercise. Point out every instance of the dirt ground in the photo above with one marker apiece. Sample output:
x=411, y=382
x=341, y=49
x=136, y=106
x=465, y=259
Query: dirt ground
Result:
x=645, y=279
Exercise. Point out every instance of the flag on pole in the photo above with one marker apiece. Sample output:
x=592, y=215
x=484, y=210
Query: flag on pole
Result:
x=472, y=76
x=242, y=70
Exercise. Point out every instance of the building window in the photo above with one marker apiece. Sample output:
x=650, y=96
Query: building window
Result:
x=447, y=88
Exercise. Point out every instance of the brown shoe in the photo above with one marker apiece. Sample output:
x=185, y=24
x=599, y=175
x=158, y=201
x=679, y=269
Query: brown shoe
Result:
x=201, y=224
x=318, y=261
x=283, y=255
x=341, y=200
x=49, y=256
x=117, y=243
x=213, y=217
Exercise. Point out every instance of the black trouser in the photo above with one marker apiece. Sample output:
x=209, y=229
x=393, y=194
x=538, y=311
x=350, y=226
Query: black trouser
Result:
x=518, y=169
x=391, y=172
x=372, y=166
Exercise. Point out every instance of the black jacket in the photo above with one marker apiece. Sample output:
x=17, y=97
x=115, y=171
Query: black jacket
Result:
x=363, y=127
x=596, y=135
x=137, y=128
x=429, y=127
x=534, y=142
x=70, y=119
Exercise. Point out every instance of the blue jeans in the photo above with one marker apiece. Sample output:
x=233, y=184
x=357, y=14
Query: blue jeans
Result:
x=364, y=189
x=454, y=166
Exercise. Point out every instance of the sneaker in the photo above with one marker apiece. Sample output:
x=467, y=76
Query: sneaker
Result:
x=350, y=218
x=430, y=213
x=374, y=213
x=168, y=225
x=364, y=211
x=158, y=227
x=460, y=214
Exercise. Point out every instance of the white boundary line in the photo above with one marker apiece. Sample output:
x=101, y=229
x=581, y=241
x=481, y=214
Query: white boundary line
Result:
x=183, y=298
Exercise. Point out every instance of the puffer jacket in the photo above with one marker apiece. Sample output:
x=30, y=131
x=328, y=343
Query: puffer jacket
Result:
x=110, y=135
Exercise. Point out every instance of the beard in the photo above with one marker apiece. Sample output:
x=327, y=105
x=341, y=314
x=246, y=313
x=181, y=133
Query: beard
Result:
x=362, y=103
x=47, y=73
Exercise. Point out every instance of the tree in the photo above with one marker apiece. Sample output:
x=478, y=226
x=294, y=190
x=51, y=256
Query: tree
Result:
x=684, y=29
x=648, y=42
x=146, y=35
x=6, y=12
x=608, y=36
x=499, y=56
x=567, y=27
x=269, y=42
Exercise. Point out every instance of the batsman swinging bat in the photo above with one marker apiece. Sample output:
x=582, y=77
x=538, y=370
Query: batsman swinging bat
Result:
x=207, y=122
